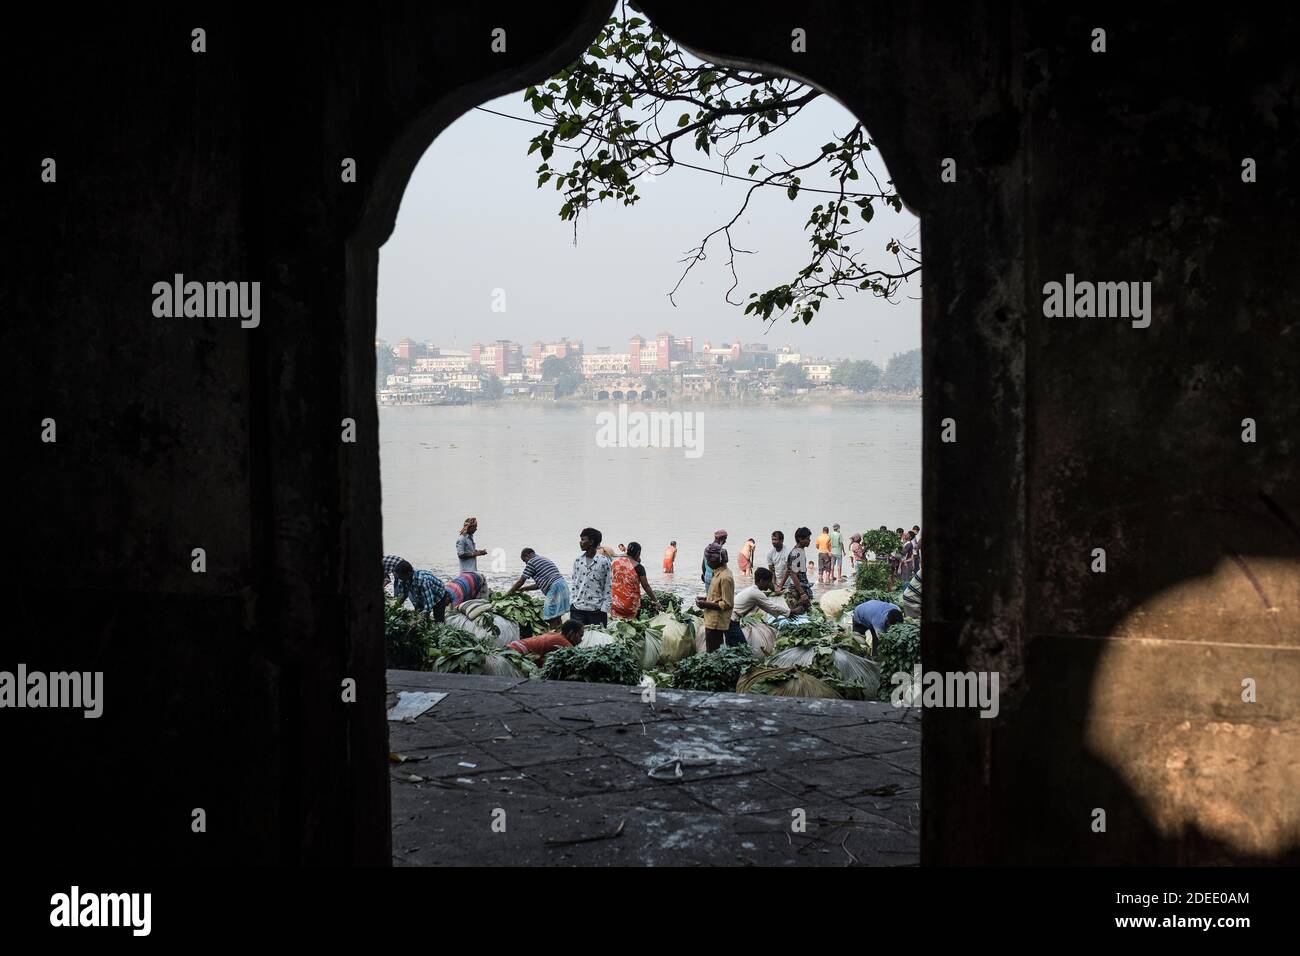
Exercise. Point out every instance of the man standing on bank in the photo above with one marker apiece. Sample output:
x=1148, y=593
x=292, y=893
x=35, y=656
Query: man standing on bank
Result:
x=467, y=552
x=706, y=572
x=591, y=581
x=720, y=602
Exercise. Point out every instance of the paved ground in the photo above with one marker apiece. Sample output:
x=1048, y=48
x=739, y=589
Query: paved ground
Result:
x=566, y=768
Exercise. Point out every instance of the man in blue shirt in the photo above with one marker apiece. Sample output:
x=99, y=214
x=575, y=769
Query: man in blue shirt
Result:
x=875, y=617
x=426, y=590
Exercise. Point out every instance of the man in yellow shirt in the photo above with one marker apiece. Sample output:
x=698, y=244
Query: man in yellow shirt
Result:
x=718, y=625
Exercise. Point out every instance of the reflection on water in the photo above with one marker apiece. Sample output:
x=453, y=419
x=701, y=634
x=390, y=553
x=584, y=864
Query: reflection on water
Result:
x=535, y=476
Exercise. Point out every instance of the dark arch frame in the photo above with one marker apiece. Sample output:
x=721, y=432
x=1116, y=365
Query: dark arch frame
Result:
x=376, y=223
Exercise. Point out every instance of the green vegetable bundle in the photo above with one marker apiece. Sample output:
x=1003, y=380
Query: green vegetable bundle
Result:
x=881, y=542
x=455, y=651
x=875, y=594
x=667, y=601
x=521, y=609
x=898, y=650
x=603, y=664
x=408, y=637
x=807, y=632
x=872, y=575
x=644, y=641
x=716, y=670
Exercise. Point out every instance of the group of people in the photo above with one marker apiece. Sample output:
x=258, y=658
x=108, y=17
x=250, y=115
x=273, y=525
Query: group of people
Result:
x=605, y=584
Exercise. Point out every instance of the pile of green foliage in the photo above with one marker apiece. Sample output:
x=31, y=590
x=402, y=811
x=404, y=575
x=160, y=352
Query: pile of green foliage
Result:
x=664, y=601
x=601, y=664
x=881, y=542
x=458, y=652
x=897, y=650
x=872, y=575
x=874, y=594
x=847, y=669
x=415, y=641
x=625, y=629
x=521, y=609
x=809, y=632
x=716, y=670
x=408, y=637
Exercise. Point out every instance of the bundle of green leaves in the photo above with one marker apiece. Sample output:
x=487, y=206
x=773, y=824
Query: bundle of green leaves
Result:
x=614, y=663
x=408, y=637
x=881, y=542
x=874, y=594
x=872, y=575
x=624, y=629
x=716, y=670
x=521, y=609
x=808, y=632
x=455, y=651
x=665, y=601
x=898, y=650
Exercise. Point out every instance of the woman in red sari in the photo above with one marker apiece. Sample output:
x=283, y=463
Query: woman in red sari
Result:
x=627, y=581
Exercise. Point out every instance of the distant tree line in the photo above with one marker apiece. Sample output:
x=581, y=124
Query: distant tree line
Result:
x=902, y=373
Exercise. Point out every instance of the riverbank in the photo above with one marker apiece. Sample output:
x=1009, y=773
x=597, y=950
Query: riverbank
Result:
x=811, y=397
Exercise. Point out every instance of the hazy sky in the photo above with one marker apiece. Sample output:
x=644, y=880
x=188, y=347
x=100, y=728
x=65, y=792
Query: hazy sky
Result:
x=472, y=220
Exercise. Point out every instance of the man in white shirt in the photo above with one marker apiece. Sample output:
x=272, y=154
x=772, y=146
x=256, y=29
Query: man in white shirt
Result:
x=756, y=598
x=590, y=582
x=779, y=555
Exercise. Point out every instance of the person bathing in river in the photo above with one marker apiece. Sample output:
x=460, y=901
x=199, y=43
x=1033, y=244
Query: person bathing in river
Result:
x=745, y=560
x=670, y=557
x=628, y=580
x=547, y=581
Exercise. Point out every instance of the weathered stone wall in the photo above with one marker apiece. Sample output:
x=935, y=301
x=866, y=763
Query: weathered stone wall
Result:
x=1120, y=690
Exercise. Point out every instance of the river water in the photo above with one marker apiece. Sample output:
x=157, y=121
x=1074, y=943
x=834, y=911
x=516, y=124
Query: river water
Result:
x=535, y=475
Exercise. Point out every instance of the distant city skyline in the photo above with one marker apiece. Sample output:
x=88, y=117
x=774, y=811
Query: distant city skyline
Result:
x=472, y=222
x=616, y=347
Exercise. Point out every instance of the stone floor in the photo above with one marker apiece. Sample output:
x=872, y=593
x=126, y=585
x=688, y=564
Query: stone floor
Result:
x=518, y=772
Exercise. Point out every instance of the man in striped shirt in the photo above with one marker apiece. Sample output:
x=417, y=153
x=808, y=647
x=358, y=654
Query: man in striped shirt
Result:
x=547, y=581
x=425, y=590
x=912, y=596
